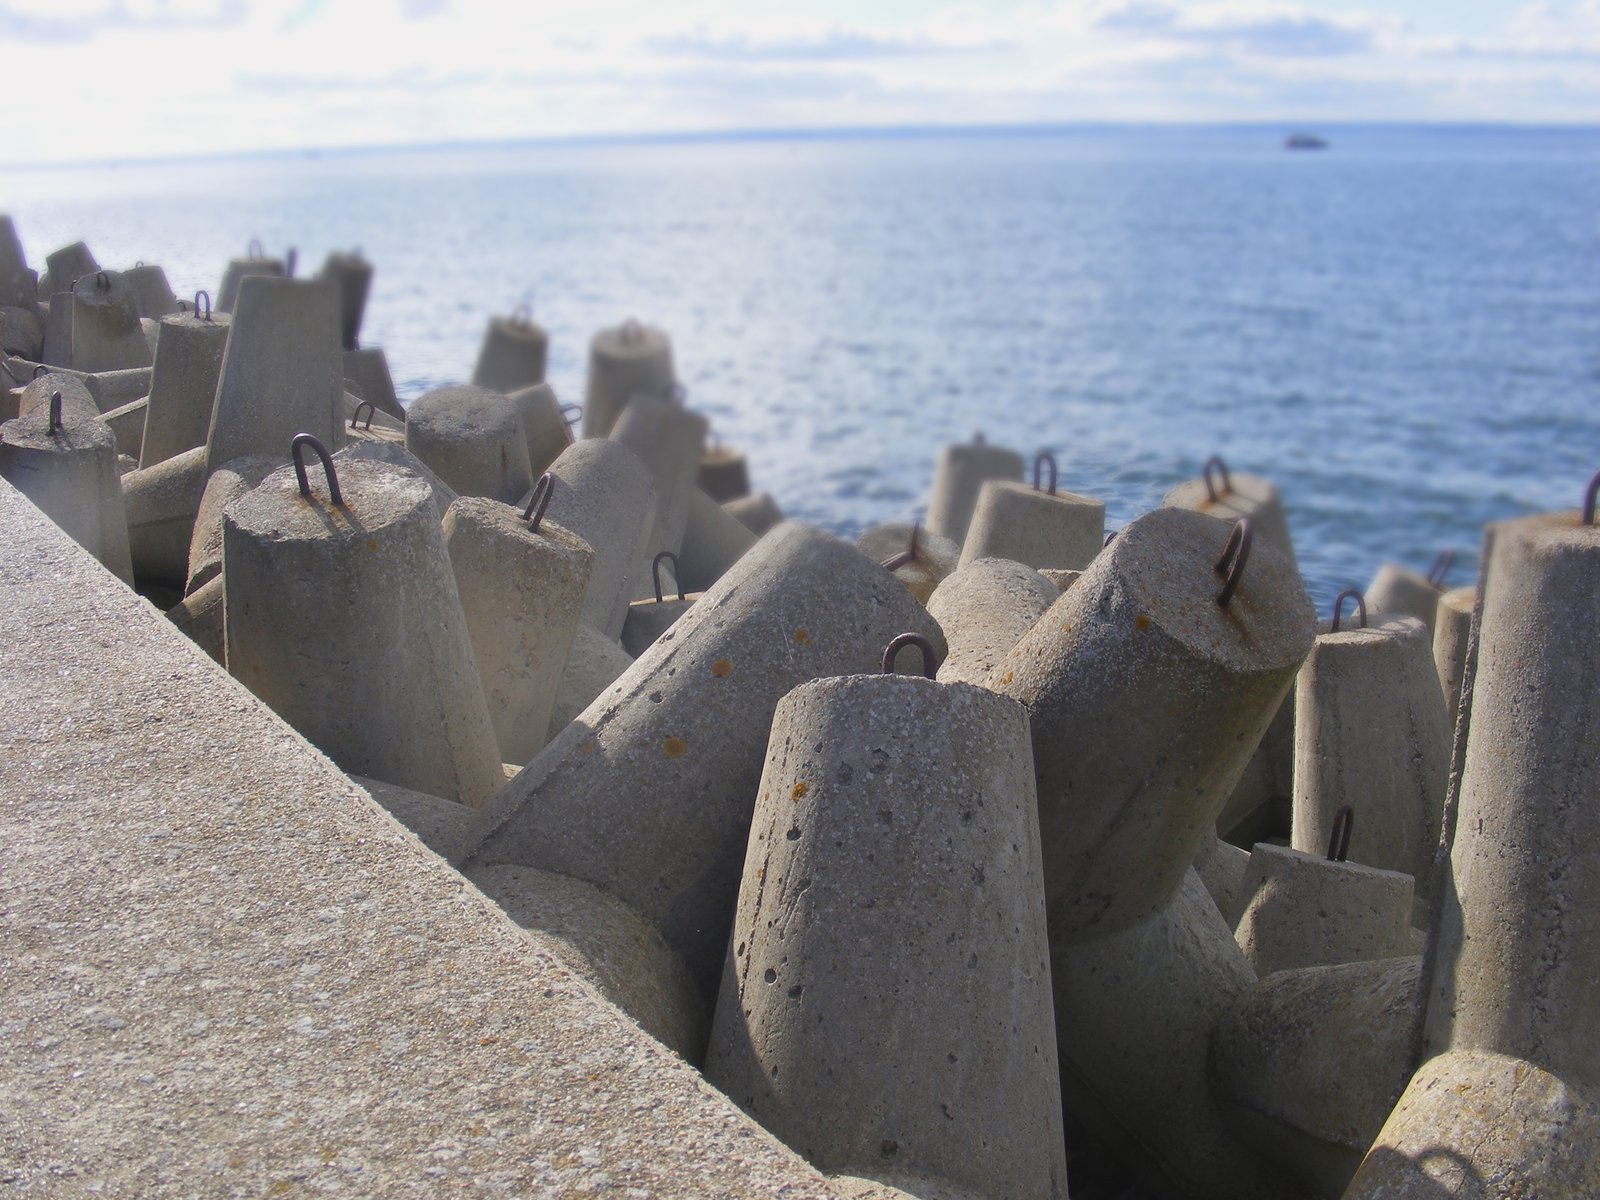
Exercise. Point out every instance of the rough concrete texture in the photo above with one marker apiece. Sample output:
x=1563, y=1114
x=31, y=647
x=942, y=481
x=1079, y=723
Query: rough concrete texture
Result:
x=1268, y=775
x=627, y=360
x=513, y=355
x=648, y=619
x=472, y=438
x=1247, y=496
x=56, y=350
x=1479, y=1126
x=441, y=825
x=886, y=1001
x=1224, y=869
x=605, y=495
x=76, y=399
x=1303, y=910
x=113, y=389
x=183, y=385
x=958, y=477
x=1134, y=1015
x=670, y=440
x=936, y=558
x=1403, y=592
x=237, y=271
x=161, y=503
x=757, y=513
x=67, y=264
x=1518, y=953
x=1038, y=528
x=368, y=369
x=713, y=541
x=724, y=475
x=71, y=475
x=911, y=1189
x=351, y=275
x=282, y=372
x=648, y=794
x=1451, y=630
x=226, y=484
x=227, y=971
x=606, y=943
x=1309, y=1064
x=521, y=592
x=547, y=430
x=21, y=332
x=151, y=330
x=18, y=285
x=199, y=615
x=106, y=334
x=984, y=609
x=127, y=426
x=398, y=456
x=346, y=621
x=1147, y=699
x=1062, y=579
x=594, y=663
x=1370, y=732
x=152, y=294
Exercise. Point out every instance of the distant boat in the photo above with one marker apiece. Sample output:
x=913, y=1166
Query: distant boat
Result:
x=1304, y=141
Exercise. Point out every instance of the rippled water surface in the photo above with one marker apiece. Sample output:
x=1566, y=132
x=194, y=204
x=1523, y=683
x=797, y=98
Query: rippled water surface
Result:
x=1403, y=331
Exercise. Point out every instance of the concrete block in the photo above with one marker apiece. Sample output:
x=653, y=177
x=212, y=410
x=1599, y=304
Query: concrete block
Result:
x=544, y=424
x=162, y=503
x=367, y=423
x=594, y=663
x=920, y=560
x=67, y=264
x=152, y=294
x=624, y=361
x=21, y=332
x=106, y=334
x=398, y=456
x=885, y=1007
x=368, y=369
x=127, y=426
x=757, y=513
x=958, y=477
x=984, y=609
x=724, y=475
x=183, y=383
x=1268, y=777
x=649, y=619
x=113, y=389
x=1403, y=592
x=199, y=615
x=1231, y=495
x=224, y=485
x=76, y=400
x=513, y=354
x=239, y=269
x=351, y=276
x=19, y=287
x=1062, y=579
x=473, y=439
x=670, y=439
x=441, y=825
x=56, y=350
x=1224, y=869
x=713, y=540
x=1035, y=527
x=1452, y=631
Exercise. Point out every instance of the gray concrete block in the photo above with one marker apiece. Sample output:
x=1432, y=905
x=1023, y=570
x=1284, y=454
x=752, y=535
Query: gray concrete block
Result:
x=351, y=276
x=183, y=384
x=921, y=560
x=66, y=264
x=627, y=360
x=225, y=484
x=56, y=350
x=984, y=609
x=21, y=332
x=670, y=440
x=724, y=475
x=594, y=663
x=713, y=540
x=1403, y=592
x=19, y=287
x=199, y=615
x=443, y=826
x=648, y=620
x=1034, y=527
x=398, y=456
x=958, y=477
x=546, y=428
x=513, y=354
x=473, y=439
x=1231, y=495
x=127, y=426
x=1224, y=869
x=757, y=513
x=106, y=334
x=152, y=294
x=239, y=269
x=368, y=369
x=1062, y=579
x=161, y=504
x=1452, y=632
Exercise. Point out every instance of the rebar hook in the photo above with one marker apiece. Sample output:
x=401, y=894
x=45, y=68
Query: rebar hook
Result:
x=297, y=453
x=540, y=500
x=1361, y=609
x=1234, y=556
x=1344, y=823
x=1215, y=463
x=1044, y=459
x=655, y=573
x=372, y=411
x=892, y=652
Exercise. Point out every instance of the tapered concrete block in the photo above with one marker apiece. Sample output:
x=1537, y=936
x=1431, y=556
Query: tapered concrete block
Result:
x=1310, y=1063
x=624, y=361
x=398, y=456
x=960, y=474
x=757, y=513
x=1452, y=630
x=885, y=1008
x=1147, y=697
x=1231, y=495
x=1518, y=954
x=19, y=286
x=713, y=541
x=984, y=609
x=281, y=370
x=1268, y=777
x=1225, y=870
x=648, y=794
x=21, y=332
x=199, y=615
x=77, y=402
x=223, y=486
x=1370, y=732
x=319, y=597
x=256, y=262
x=546, y=428
x=66, y=265
x=521, y=591
x=649, y=619
x=670, y=439
x=152, y=294
x=1306, y=910
x=441, y=825
x=1033, y=526
x=920, y=560
x=162, y=503
x=473, y=439
x=368, y=369
x=351, y=276
x=724, y=475
x=183, y=384
x=127, y=426
x=513, y=354
x=594, y=663
x=106, y=334
x=1403, y=592
x=56, y=350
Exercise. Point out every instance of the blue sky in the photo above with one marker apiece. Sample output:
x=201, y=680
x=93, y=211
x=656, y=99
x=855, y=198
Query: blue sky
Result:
x=138, y=78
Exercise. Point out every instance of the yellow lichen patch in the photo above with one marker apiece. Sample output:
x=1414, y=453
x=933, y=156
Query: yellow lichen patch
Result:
x=1141, y=622
x=587, y=747
x=487, y=1041
x=372, y=543
x=673, y=747
x=802, y=638
x=1005, y=679
x=722, y=668
x=799, y=790
x=1066, y=627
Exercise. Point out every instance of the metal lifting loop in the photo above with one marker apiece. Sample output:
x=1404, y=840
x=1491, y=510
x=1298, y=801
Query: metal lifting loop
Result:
x=540, y=500
x=102, y=282
x=1234, y=556
x=297, y=452
x=372, y=411
x=1589, y=497
x=1108, y=539
x=1215, y=462
x=1044, y=459
x=256, y=249
x=909, y=554
x=1361, y=609
x=40, y=369
x=1344, y=823
x=655, y=573
x=892, y=651
x=207, y=314
x=54, y=425
x=575, y=409
x=1441, y=567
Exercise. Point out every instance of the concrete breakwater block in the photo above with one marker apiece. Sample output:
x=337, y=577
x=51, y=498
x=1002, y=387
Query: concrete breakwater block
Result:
x=649, y=619
x=724, y=474
x=544, y=424
x=1229, y=495
x=958, y=477
x=594, y=663
x=441, y=825
x=316, y=589
x=183, y=383
x=1517, y=956
x=521, y=579
x=21, y=332
x=1225, y=870
x=648, y=794
x=624, y=361
x=199, y=616
x=397, y=455
x=918, y=559
x=225, y=484
x=351, y=276
x=757, y=513
x=1310, y=1063
x=255, y=262
x=1148, y=694
x=64, y=266
x=37, y=395
x=885, y=1008
x=513, y=353
x=713, y=540
x=670, y=440
x=473, y=439
x=161, y=503
x=1452, y=631
x=368, y=369
x=106, y=334
x=1035, y=525
x=152, y=293
x=1403, y=592
x=19, y=287
x=984, y=609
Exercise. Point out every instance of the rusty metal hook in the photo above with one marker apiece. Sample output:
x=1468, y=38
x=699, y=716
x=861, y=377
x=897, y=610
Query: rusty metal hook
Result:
x=40, y=369
x=1589, y=497
x=197, y=296
x=102, y=282
x=1344, y=823
x=1338, y=603
x=892, y=651
x=1441, y=567
x=575, y=409
x=1044, y=459
x=256, y=249
x=1215, y=462
x=297, y=452
x=372, y=411
x=54, y=424
x=655, y=573
x=1108, y=539
x=909, y=554
x=1234, y=556
x=540, y=500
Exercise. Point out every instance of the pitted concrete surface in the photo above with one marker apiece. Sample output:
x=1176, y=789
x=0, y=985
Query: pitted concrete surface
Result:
x=229, y=972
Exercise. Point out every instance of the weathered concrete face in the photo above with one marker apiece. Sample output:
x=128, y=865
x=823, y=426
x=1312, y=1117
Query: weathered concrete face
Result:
x=723, y=474
x=1451, y=631
x=67, y=264
x=398, y=456
x=984, y=609
x=669, y=439
x=1041, y=529
x=1310, y=1063
x=76, y=399
x=624, y=361
x=886, y=1003
x=19, y=287
x=1147, y=697
x=1224, y=869
x=56, y=348
x=521, y=592
x=935, y=558
x=757, y=513
x=1244, y=496
x=200, y=618
x=1479, y=1126
x=282, y=370
x=648, y=794
x=224, y=485
x=547, y=431
x=473, y=439
x=648, y=619
x=713, y=541
x=960, y=474
x=1402, y=592
x=368, y=369
x=441, y=825
x=1370, y=732
x=21, y=332
x=106, y=334
x=315, y=595
x=594, y=663
x=513, y=355
x=71, y=475
x=161, y=503
x=1518, y=951
x=152, y=294
x=183, y=385
x=1304, y=910
x=237, y=271
x=351, y=276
